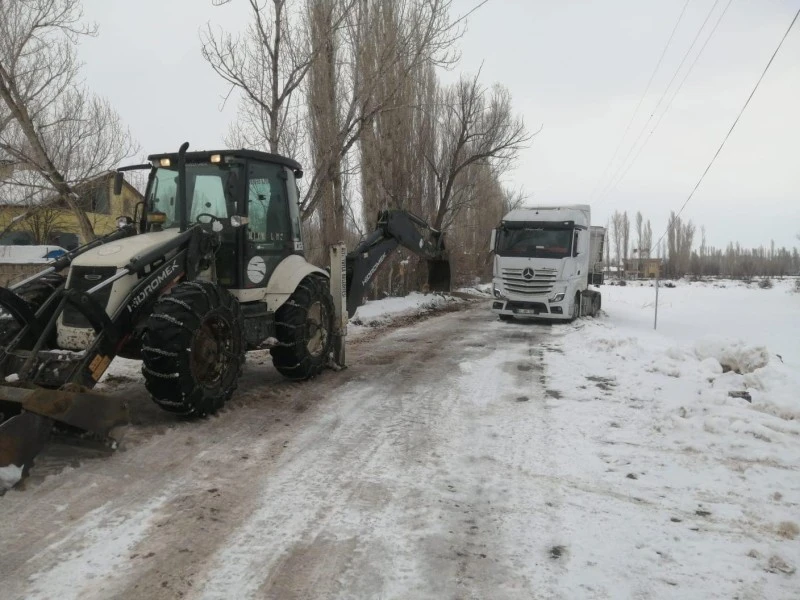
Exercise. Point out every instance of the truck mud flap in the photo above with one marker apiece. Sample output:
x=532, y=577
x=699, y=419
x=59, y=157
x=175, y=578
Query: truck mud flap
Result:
x=23, y=436
x=439, y=275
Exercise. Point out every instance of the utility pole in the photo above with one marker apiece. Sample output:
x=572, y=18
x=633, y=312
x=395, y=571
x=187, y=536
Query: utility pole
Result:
x=655, y=320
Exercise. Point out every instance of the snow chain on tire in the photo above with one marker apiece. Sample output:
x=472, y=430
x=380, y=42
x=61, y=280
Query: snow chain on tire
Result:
x=305, y=319
x=193, y=349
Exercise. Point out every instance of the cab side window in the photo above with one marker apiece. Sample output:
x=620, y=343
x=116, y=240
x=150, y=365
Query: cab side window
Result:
x=267, y=207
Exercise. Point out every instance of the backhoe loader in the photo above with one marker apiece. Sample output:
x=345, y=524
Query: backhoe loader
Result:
x=210, y=265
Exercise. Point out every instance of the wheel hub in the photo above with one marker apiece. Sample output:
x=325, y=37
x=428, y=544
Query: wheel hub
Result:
x=316, y=330
x=211, y=350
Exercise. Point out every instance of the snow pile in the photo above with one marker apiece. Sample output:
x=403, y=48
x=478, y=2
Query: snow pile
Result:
x=479, y=289
x=702, y=420
x=9, y=476
x=382, y=312
x=732, y=355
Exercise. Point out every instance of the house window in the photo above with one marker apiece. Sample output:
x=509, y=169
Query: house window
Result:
x=100, y=202
x=96, y=198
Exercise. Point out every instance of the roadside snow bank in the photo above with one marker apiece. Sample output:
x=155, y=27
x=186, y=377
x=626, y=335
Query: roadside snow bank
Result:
x=480, y=289
x=382, y=312
x=732, y=355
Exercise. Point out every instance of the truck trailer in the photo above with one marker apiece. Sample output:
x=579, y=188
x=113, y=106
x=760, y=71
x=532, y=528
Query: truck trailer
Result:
x=545, y=260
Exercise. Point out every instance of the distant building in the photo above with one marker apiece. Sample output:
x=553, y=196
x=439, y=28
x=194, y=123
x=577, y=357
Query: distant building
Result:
x=643, y=268
x=58, y=225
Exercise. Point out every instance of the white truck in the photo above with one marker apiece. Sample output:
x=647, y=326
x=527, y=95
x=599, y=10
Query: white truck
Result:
x=545, y=259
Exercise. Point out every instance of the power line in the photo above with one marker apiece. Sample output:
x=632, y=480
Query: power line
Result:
x=672, y=98
x=660, y=100
x=739, y=116
x=642, y=97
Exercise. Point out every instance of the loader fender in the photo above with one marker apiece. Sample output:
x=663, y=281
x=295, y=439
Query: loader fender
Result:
x=283, y=282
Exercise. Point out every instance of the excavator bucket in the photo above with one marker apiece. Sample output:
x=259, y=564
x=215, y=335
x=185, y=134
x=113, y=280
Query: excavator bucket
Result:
x=439, y=275
x=23, y=435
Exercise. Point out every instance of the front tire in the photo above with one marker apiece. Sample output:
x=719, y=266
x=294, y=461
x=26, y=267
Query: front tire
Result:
x=193, y=349
x=304, y=328
x=576, y=307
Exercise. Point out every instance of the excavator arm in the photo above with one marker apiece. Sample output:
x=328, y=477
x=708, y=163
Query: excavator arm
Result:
x=395, y=228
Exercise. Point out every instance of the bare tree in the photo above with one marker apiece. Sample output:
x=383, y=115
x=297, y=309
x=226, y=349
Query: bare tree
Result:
x=477, y=126
x=323, y=115
x=703, y=249
x=388, y=42
x=42, y=223
x=626, y=233
x=267, y=65
x=50, y=124
x=617, y=234
x=647, y=239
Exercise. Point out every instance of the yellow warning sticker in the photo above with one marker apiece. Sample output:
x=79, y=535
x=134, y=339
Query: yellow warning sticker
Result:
x=98, y=366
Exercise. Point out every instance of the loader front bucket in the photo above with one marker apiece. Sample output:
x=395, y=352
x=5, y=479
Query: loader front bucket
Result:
x=23, y=436
x=439, y=275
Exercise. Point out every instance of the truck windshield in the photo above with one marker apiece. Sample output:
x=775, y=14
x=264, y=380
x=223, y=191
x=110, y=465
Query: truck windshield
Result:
x=210, y=189
x=536, y=243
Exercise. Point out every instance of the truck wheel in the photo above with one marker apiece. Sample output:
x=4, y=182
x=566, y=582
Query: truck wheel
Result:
x=576, y=307
x=506, y=317
x=304, y=328
x=193, y=348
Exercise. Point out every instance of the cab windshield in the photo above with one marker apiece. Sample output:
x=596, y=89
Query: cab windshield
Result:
x=534, y=242
x=211, y=189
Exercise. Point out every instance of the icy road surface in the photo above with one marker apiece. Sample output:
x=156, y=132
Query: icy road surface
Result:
x=459, y=457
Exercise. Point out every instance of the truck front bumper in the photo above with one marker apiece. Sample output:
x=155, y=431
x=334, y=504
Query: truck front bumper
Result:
x=531, y=310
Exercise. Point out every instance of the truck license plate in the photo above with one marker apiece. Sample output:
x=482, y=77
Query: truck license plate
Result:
x=526, y=311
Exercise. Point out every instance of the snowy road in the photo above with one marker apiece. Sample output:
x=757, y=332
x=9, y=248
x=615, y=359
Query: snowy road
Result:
x=449, y=461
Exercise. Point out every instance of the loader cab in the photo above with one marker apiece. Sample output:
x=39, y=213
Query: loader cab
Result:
x=249, y=198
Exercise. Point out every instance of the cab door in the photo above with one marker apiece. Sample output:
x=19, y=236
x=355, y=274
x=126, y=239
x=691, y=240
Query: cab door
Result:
x=268, y=234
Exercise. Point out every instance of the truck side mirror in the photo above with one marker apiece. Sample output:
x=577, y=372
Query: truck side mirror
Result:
x=493, y=240
x=118, y=179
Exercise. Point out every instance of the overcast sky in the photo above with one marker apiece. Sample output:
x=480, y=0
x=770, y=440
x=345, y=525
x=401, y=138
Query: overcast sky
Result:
x=575, y=68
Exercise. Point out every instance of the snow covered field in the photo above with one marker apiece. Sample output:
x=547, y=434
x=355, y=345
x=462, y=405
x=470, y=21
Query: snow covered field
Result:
x=696, y=427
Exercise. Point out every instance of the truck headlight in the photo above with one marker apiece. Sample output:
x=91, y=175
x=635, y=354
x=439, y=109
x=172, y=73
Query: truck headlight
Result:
x=495, y=292
x=558, y=294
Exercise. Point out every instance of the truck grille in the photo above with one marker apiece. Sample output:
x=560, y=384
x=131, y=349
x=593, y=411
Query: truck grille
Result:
x=83, y=279
x=529, y=281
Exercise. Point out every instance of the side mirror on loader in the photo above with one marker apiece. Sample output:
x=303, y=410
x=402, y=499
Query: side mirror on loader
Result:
x=119, y=177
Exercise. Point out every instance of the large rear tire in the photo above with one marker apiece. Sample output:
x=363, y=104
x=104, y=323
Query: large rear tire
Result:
x=304, y=328
x=193, y=349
